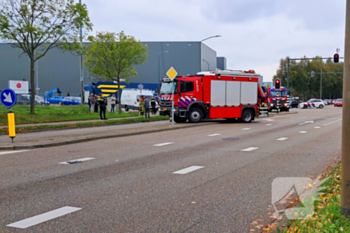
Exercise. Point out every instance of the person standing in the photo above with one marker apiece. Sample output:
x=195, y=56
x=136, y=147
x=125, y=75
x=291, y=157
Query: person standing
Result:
x=92, y=101
x=141, y=107
x=96, y=104
x=113, y=103
x=153, y=104
x=146, y=104
x=102, y=102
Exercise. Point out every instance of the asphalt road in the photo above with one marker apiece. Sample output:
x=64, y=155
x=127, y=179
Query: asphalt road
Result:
x=129, y=185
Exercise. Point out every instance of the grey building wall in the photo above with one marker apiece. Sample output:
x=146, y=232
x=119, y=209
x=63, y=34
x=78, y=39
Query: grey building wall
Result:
x=221, y=63
x=62, y=69
x=208, y=58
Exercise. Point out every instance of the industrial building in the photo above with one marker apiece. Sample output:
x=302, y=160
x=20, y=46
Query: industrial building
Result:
x=61, y=69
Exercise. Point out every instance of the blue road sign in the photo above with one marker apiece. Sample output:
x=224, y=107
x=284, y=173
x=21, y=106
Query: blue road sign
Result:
x=8, y=97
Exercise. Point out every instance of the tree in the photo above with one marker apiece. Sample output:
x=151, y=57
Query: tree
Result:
x=113, y=56
x=37, y=26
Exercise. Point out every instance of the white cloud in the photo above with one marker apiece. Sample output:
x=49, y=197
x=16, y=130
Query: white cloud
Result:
x=254, y=35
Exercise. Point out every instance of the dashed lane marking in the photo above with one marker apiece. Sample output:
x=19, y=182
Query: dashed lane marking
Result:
x=332, y=122
x=28, y=222
x=77, y=161
x=281, y=139
x=302, y=131
x=250, y=149
x=306, y=122
x=163, y=144
x=317, y=127
x=246, y=129
x=268, y=124
x=214, y=134
x=12, y=152
x=269, y=120
x=188, y=170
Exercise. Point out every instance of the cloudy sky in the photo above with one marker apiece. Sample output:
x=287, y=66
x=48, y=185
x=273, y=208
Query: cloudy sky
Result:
x=255, y=34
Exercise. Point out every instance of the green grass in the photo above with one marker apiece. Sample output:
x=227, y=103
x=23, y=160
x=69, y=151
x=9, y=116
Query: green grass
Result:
x=54, y=113
x=327, y=217
x=87, y=124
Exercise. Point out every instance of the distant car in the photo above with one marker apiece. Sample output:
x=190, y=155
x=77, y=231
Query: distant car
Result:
x=294, y=104
x=330, y=101
x=38, y=99
x=326, y=102
x=22, y=100
x=69, y=100
x=338, y=103
x=313, y=103
x=55, y=99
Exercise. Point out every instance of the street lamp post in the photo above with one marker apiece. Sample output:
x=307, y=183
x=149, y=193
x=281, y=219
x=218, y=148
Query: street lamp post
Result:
x=159, y=64
x=81, y=67
x=210, y=37
x=207, y=63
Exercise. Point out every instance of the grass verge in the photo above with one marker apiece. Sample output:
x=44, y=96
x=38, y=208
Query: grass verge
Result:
x=327, y=217
x=55, y=113
x=86, y=124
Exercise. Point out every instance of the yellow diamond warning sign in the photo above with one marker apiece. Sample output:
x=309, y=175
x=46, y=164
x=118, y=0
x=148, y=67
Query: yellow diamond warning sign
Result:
x=171, y=73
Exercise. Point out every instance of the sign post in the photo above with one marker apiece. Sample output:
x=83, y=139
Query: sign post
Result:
x=172, y=74
x=140, y=86
x=8, y=99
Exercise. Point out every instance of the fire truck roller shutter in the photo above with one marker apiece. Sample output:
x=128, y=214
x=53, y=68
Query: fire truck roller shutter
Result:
x=249, y=93
x=233, y=93
x=218, y=93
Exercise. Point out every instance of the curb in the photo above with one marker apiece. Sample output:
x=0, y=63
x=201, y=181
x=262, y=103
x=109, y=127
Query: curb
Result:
x=90, y=139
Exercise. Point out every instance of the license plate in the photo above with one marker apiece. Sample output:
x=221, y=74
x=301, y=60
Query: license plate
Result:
x=165, y=109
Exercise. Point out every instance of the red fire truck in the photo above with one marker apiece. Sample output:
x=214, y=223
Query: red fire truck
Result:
x=277, y=97
x=216, y=94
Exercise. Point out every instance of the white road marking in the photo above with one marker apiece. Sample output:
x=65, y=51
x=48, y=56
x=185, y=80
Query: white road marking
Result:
x=28, y=222
x=268, y=124
x=246, y=129
x=77, y=160
x=281, y=139
x=306, y=122
x=332, y=122
x=250, y=149
x=12, y=152
x=188, y=170
x=214, y=134
x=303, y=132
x=269, y=120
x=164, y=144
x=317, y=127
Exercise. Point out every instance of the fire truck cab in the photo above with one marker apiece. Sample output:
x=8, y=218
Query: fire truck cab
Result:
x=216, y=94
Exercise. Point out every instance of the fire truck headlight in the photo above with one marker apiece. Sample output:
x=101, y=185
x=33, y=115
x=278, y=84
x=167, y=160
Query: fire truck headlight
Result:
x=286, y=104
x=271, y=105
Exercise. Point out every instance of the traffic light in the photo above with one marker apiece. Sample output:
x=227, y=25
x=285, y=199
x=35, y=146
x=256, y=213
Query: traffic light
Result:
x=277, y=84
x=336, y=58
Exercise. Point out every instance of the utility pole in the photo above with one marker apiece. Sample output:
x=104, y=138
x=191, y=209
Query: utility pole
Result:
x=287, y=73
x=345, y=147
x=321, y=85
x=81, y=67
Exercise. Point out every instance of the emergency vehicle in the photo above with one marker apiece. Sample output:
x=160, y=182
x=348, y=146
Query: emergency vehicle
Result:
x=277, y=97
x=216, y=94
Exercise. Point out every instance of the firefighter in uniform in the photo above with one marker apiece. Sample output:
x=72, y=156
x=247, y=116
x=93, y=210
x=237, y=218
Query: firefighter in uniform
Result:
x=141, y=107
x=153, y=105
x=102, y=102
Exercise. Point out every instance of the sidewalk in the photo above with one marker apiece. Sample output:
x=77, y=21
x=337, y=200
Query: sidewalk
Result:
x=72, y=122
x=71, y=136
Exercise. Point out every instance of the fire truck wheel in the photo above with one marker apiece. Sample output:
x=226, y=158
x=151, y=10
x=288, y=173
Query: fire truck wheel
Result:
x=195, y=115
x=247, y=116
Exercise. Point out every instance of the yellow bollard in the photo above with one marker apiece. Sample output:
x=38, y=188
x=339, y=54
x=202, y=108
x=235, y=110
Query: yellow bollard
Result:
x=11, y=124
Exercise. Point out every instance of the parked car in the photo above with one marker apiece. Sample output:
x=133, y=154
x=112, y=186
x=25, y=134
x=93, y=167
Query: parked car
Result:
x=330, y=101
x=69, y=100
x=55, y=99
x=38, y=99
x=338, y=103
x=312, y=103
x=22, y=100
x=326, y=102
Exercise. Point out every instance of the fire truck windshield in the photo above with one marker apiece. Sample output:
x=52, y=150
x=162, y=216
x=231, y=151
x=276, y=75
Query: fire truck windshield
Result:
x=167, y=88
x=278, y=93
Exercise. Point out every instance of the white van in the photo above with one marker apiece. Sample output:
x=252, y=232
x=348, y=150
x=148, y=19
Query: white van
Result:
x=130, y=97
